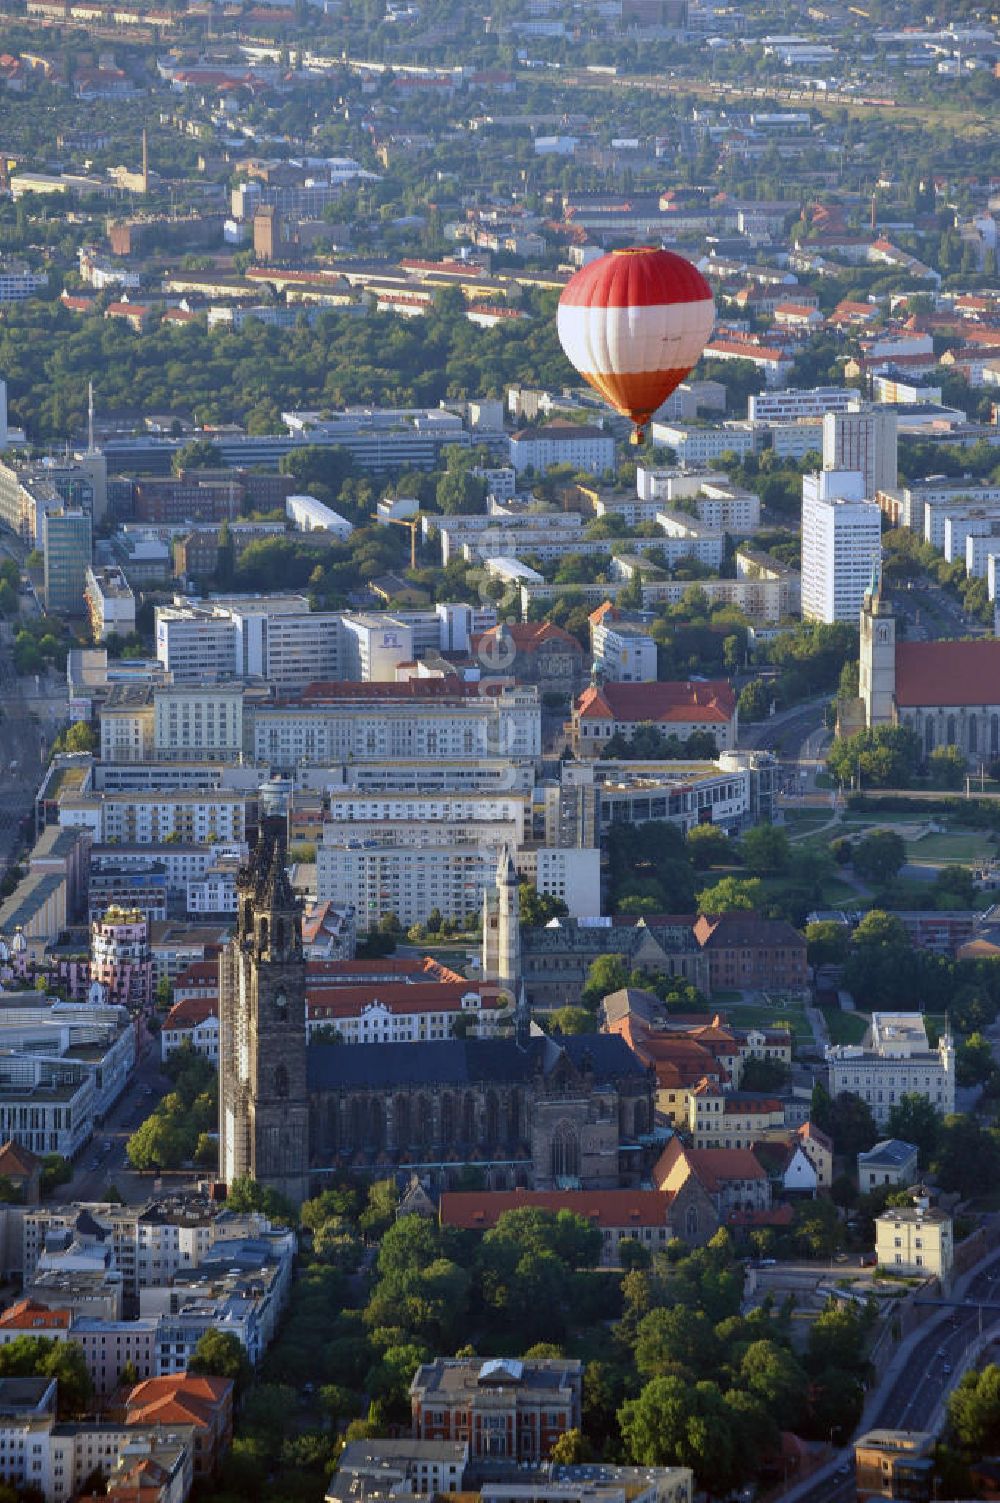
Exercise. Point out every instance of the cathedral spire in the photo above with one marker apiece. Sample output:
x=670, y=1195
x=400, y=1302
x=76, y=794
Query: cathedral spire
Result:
x=522, y=1020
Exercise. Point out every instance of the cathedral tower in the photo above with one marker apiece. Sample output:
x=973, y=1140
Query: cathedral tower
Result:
x=501, y=957
x=877, y=666
x=263, y=1101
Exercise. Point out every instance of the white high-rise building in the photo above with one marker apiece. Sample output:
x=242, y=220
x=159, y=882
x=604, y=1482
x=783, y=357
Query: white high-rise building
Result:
x=865, y=440
x=841, y=545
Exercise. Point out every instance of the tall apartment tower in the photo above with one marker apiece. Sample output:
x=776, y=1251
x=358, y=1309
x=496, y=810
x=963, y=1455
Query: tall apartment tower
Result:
x=841, y=545
x=263, y=1099
x=501, y=960
x=866, y=441
x=877, y=664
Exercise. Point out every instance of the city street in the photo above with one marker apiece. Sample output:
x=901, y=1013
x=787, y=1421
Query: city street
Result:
x=912, y=1395
x=99, y=1166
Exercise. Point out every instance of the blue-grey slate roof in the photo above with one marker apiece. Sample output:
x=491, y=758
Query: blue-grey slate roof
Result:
x=456, y=1062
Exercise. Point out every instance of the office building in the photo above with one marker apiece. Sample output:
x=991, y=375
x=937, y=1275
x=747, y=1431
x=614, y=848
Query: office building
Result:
x=67, y=544
x=841, y=545
x=863, y=440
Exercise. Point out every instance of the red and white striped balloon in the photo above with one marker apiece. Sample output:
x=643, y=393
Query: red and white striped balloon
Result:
x=634, y=325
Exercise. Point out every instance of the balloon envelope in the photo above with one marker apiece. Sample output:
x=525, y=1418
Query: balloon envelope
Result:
x=634, y=324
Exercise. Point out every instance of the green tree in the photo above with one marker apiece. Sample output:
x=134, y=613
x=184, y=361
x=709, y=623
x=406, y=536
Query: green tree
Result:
x=708, y=845
x=572, y=1020
x=914, y=1120
x=879, y=856
x=220, y=1354
x=571, y=1449
x=974, y=1410
x=537, y=909
x=765, y=850
x=36, y=1356
x=852, y=1124
x=884, y=757
x=675, y=1339
x=730, y=893
x=676, y=1423
x=606, y=974
x=974, y=1064
x=946, y=767
x=828, y=942
x=967, y=1157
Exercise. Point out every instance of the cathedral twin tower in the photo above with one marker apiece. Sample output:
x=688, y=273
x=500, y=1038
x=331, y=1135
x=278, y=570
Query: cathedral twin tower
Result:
x=263, y=1094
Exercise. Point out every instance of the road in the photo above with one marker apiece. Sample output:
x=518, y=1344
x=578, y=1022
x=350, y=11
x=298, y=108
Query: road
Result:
x=97, y=1169
x=910, y=1400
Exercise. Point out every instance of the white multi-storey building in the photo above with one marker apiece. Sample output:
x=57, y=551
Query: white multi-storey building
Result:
x=374, y=646
x=804, y=402
x=198, y=724
x=585, y=448
x=622, y=646
x=275, y=637
x=310, y=515
x=841, y=545
x=421, y=718
x=110, y=603
x=200, y=818
x=897, y=1062
x=700, y=446
x=693, y=539
x=864, y=440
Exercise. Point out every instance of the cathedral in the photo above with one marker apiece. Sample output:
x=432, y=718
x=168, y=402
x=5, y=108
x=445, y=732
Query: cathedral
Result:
x=529, y=1110
x=948, y=693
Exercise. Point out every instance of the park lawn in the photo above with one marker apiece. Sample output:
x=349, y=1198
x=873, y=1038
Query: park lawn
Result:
x=960, y=847
x=845, y=1027
x=783, y=1015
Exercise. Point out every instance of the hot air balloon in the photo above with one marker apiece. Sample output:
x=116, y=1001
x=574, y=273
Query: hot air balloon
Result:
x=634, y=324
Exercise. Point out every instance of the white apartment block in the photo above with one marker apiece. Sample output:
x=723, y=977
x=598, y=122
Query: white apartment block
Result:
x=150, y=819
x=110, y=602
x=623, y=650
x=706, y=544
x=806, y=402
x=585, y=448
x=863, y=440
x=796, y=438
x=897, y=1062
x=841, y=545
x=960, y=526
x=911, y=505
x=502, y=534
x=198, y=724
x=154, y=1243
x=98, y=1037
x=422, y=811
x=56, y=1459
x=572, y=873
x=979, y=548
x=664, y=485
x=127, y=721
x=700, y=446
x=405, y=881
x=353, y=728
x=308, y=514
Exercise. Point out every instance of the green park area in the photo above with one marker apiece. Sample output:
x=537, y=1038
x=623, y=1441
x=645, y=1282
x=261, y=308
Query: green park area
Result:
x=784, y=1012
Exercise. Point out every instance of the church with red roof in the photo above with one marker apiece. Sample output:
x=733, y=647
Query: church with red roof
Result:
x=947, y=693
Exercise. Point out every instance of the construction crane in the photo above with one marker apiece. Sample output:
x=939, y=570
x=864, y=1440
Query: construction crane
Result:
x=412, y=523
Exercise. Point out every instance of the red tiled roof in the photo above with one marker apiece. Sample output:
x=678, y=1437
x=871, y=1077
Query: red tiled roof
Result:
x=191, y=1012
x=350, y=1001
x=28, y=1315
x=182, y=1399
x=948, y=673
x=17, y=1160
x=423, y=969
x=712, y=1167
x=712, y=701
x=481, y=1210
x=527, y=636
